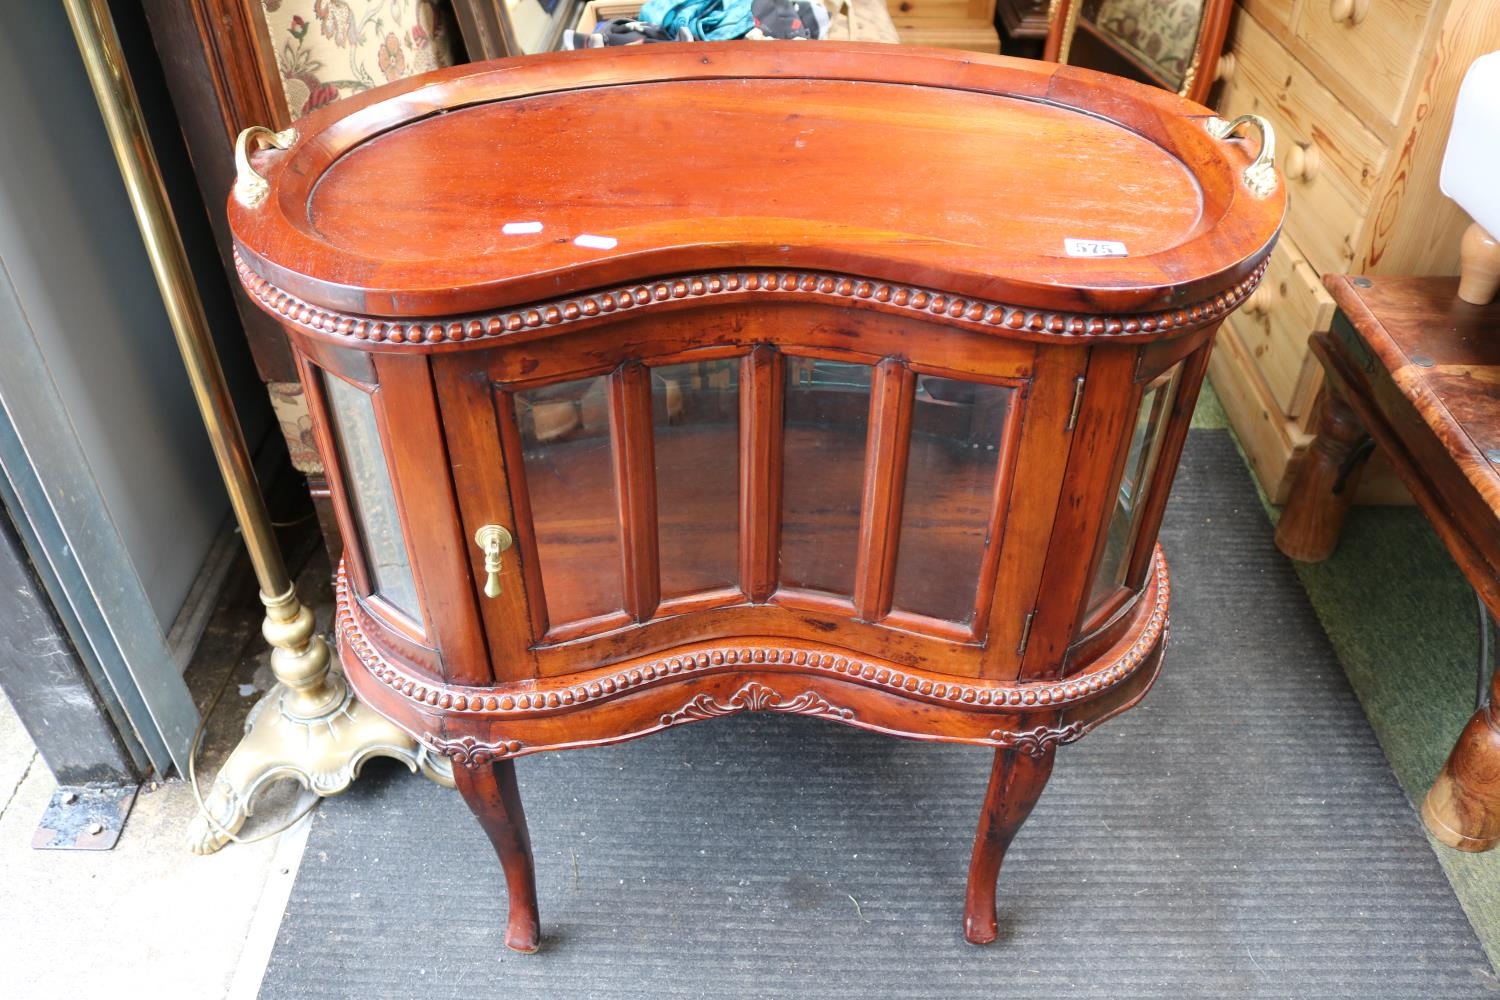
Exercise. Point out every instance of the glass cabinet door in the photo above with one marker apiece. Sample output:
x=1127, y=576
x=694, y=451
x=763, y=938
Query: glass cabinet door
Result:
x=958, y=435
x=695, y=425
x=569, y=462
x=1134, y=490
x=875, y=495
x=826, y=423
x=370, y=497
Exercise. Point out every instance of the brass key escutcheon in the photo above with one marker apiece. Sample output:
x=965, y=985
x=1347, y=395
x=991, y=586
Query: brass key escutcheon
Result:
x=494, y=540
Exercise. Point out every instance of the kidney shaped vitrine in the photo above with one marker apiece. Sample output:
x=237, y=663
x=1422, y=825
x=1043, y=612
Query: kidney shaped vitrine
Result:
x=676, y=382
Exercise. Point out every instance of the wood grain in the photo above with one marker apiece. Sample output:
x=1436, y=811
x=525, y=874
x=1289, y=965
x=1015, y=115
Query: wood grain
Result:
x=1416, y=367
x=1374, y=57
x=1274, y=325
x=1330, y=208
x=894, y=519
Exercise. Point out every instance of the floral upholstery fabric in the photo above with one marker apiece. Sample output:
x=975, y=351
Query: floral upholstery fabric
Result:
x=289, y=403
x=328, y=49
x=1160, y=33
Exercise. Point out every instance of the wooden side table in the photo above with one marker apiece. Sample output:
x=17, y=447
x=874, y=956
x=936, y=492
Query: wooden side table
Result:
x=1416, y=370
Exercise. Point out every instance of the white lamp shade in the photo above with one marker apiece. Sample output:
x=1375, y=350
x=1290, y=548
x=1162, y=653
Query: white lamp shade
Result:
x=1471, y=164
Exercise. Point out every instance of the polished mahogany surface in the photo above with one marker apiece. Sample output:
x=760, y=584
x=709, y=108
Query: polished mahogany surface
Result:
x=900, y=159
x=789, y=387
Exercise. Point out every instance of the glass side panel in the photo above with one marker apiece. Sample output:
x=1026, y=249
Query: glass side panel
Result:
x=371, y=499
x=695, y=418
x=1130, y=499
x=827, y=418
x=570, y=477
x=957, y=430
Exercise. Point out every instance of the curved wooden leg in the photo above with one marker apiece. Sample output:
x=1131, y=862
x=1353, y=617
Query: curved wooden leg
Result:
x=1462, y=809
x=1016, y=781
x=490, y=791
x=1325, y=486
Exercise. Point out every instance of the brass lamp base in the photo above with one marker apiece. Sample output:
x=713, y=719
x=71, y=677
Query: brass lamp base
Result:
x=324, y=755
x=308, y=727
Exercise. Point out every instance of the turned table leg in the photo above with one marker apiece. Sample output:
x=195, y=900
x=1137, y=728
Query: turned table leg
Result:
x=1462, y=809
x=1016, y=781
x=1325, y=486
x=490, y=791
x=1479, y=264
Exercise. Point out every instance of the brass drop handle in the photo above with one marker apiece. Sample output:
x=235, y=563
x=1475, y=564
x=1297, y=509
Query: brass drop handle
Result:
x=494, y=540
x=1351, y=11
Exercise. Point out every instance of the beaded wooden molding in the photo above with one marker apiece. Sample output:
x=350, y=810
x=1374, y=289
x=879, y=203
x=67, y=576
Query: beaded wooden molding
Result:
x=838, y=289
x=542, y=697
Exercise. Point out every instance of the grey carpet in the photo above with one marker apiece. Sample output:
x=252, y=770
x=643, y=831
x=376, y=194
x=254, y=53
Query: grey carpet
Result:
x=1239, y=834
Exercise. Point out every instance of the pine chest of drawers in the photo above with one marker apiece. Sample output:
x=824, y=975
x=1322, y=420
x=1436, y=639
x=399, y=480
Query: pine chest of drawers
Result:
x=1361, y=95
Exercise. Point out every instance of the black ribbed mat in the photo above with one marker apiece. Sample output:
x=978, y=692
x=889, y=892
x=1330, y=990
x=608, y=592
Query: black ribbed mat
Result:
x=1238, y=834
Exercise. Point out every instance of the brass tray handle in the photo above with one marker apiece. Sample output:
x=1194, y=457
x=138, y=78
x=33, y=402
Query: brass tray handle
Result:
x=250, y=188
x=1260, y=176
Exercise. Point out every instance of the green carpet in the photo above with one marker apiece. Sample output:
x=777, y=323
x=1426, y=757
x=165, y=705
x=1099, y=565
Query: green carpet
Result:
x=1403, y=622
x=1209, y=414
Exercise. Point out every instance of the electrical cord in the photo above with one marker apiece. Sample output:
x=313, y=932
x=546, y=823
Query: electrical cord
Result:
x=218, y=827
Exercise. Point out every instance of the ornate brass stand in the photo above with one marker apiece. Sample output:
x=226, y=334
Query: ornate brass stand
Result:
x=309, y=726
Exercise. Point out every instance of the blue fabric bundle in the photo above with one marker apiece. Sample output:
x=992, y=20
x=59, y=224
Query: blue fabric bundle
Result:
x=708, y=20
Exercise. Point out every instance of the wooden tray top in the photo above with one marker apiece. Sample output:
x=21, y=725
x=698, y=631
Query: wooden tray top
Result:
x=851, y=159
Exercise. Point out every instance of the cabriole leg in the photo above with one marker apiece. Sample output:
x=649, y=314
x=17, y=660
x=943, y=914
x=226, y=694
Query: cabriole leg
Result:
x=1016, y=781
x=490, y=791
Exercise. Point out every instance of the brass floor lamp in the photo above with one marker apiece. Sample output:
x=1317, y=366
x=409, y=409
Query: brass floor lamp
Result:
x=308, y=727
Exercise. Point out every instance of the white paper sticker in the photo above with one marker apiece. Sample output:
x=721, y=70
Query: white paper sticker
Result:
x=520, y=228
x=596, y=242
x=1095, y=248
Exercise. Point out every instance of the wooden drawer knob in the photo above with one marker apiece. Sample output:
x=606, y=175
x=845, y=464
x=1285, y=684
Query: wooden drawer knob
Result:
x=1349, y=12
x=1225, y=67
x=1262, y=300
x=1302, y=162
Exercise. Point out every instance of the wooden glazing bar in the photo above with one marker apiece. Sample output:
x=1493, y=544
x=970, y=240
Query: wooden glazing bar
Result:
x=1005, y=477
x=1029, y=504
x=892, y=388
x=312, y=377
x=483, y=489
x=520, y=498
x=760, y=472
x=1184, y=400
x=635, y=485
x=1102, y=429
x=442, y=558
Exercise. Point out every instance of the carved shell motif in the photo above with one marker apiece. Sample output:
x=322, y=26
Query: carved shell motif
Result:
x=756, y=697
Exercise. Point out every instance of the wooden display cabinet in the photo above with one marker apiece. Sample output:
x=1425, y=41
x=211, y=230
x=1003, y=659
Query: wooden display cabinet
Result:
x=630, y=428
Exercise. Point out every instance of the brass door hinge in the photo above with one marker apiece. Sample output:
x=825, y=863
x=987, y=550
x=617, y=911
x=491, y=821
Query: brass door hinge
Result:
x=1077, y=403
x=1025, y=633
